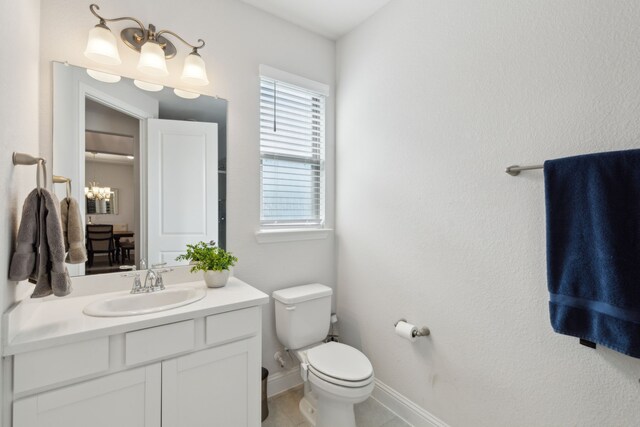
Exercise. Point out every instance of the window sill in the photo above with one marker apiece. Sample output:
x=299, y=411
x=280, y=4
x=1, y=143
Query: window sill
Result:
x=292, y=234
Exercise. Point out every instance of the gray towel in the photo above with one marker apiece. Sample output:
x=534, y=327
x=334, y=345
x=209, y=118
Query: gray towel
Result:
x=23, y=261
x=73, y=231
x=40, y=253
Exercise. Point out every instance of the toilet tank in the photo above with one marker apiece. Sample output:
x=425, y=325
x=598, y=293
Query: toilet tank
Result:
x=303, y=315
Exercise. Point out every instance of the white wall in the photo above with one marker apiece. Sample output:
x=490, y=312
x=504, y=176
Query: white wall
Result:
x=119, y=177
x=239, y=38
x=19, y=26
x=435, y=99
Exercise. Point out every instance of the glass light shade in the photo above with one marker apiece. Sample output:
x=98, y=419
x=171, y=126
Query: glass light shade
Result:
x=102, y=46
x=149, y=87
x=185, y=94
x=103, y=77
x=152, y=60
x=194, y=71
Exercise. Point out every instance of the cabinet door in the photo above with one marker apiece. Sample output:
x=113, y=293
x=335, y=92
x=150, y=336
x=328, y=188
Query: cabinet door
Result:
x=218, y=387
x=125, y=399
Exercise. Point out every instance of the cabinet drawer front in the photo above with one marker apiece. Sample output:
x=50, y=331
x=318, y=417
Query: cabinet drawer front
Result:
x=159, y=342
x=231, y=326
x=54, y=365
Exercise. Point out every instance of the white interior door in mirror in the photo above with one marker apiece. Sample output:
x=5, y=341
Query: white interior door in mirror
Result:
x=182, y=192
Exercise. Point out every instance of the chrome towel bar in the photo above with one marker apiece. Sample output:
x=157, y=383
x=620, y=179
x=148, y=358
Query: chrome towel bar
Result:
x=515, y=170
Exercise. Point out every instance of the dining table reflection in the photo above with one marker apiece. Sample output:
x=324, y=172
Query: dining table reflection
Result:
x=124, y=248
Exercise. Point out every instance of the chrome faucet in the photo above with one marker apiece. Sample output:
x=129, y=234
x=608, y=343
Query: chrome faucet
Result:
x=153, y=280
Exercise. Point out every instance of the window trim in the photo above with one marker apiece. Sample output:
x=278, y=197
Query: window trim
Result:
x=294, y=80
x=278, y=235
x=288, y=231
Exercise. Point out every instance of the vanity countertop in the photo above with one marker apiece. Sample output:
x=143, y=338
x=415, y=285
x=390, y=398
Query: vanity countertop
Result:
x=33, y=325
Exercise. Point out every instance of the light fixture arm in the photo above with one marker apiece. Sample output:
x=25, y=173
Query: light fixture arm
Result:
x=195, y=48
x=103, y=20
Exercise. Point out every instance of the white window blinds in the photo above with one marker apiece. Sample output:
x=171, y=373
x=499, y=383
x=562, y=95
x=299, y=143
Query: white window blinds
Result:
x=291, y=155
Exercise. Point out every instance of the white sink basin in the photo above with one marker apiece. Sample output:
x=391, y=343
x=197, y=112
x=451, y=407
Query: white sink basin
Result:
x=136, y=304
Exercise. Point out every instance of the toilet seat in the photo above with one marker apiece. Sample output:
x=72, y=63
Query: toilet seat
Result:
x=339, y=382
x=340, y=364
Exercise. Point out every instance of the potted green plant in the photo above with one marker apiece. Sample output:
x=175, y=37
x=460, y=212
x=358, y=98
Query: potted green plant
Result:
x=211, y=260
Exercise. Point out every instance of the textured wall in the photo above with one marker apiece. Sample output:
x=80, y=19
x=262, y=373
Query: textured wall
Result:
x=239, y=38
x=19, y=130
x=19, y=24
x=435, y=99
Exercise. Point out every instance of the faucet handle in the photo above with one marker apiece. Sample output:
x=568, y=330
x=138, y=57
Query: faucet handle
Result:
x=137, y=285
x=159, y=279
x=143, y=264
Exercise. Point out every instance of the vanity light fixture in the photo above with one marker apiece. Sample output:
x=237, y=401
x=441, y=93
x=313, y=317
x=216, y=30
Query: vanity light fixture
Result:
x=149, y=87
x=154, y=49
x=95, y=192
x=102, y=45
x=185, y=94
x=103, y=77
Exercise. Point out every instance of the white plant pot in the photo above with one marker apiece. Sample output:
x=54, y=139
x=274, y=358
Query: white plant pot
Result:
x=216, y=279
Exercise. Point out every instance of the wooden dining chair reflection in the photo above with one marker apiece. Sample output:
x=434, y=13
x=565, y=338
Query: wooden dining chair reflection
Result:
x=100, y=241
x=126, y=246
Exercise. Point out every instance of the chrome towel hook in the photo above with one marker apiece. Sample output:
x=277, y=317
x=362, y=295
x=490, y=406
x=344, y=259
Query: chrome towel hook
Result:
x=40, y=162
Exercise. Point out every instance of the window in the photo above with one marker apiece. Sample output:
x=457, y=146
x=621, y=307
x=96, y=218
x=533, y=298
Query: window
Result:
x=292, y=120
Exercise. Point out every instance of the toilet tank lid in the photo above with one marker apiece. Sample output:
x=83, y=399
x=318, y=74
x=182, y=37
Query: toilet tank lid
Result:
x=302, y=293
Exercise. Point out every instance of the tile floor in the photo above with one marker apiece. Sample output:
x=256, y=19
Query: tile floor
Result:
x=284, y=412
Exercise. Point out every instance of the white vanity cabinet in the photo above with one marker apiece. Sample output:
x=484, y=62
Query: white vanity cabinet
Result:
x=126, y=399
x=203, y=371
x=212, y=387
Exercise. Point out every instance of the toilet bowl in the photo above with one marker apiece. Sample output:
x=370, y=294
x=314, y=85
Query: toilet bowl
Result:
x=339, y=376
x=335, y=403
x=336, y=375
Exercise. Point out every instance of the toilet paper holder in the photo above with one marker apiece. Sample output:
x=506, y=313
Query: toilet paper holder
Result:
x=422, y=332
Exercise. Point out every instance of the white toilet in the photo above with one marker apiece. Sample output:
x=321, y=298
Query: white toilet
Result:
x=336, y=375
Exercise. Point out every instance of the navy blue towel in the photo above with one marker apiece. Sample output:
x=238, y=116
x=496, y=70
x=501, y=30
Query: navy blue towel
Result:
x=593, y=248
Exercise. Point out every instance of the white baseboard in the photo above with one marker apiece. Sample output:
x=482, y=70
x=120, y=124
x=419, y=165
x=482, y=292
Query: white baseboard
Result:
x=283, y=381
x=385, y=395
x=404, y=408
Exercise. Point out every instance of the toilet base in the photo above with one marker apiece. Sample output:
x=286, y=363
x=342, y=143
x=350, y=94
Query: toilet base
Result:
x=325, y=412
x=308, y=410
x=333, y=414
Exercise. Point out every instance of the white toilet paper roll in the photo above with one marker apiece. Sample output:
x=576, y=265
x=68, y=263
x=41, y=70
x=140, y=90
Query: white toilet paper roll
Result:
x=406, y=330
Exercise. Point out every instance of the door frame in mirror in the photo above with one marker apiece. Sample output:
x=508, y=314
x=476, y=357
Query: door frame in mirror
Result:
x=69, y=158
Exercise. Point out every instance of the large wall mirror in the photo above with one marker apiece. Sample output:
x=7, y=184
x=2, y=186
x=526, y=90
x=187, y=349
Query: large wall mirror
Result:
x=147, y=167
